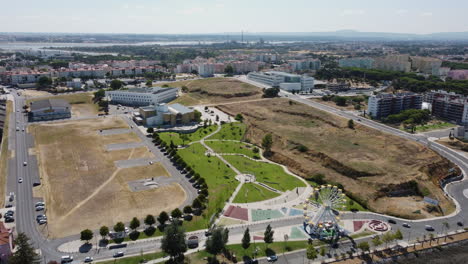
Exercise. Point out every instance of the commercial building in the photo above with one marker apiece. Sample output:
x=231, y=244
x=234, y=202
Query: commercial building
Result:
x=142, y=96
x=448, y=105
x=285, y=81
x=383, y=105
x=49, y=109
x=165, y=115
x=360, y=62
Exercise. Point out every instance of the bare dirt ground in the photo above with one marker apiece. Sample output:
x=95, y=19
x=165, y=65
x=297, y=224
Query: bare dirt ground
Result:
x=363, y=160
x=215, y=90
x=34, y=93
x=81, y=184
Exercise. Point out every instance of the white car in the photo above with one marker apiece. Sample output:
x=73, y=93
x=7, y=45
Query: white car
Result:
x=406, y=225
x=66, y=259
x=20, y=180
x=40, y=208
x=88, y=259
x=40, y=204
x=25, y=163
x=43, y=221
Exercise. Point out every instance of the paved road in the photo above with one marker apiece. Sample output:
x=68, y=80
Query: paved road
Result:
x=25, y=215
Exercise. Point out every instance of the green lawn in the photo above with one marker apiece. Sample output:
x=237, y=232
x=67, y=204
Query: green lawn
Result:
x=220, y=180
x=233, y=147
x=429, y=127
x=196, y=136
x=233, y=131
x=251, y=192
x=136, y=259
x=269, y=174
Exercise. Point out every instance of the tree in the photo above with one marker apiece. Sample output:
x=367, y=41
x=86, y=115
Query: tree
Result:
x=376, y=241
x=149, y=220
x=270, y=92
x=398, y=235
x=351, y=124
x=188, y=209
x=150, y=130
x=323, y=251
x=149, y=83
x=239, y=118
x=364, y=246
x=173, y=242
x=162, y=218
x=104, y=231
x=44, y=82
x=119, y=227
x=246, y=239
x=116, y=84
x=217, y=241
x=176, y=213
x=197, y=204
x=134, y=224
x=267, y=142
x=229, y=70
x=268, y=235
x=311, y=252
x=86, y=235
x=340, y=101
x=197, y=116
x=25, y=253
x=99, y=94
x=185, y=89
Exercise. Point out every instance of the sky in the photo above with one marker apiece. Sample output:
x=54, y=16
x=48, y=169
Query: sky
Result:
x=221, y=16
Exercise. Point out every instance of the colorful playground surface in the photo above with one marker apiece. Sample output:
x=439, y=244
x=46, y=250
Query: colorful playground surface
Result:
x=261, y=215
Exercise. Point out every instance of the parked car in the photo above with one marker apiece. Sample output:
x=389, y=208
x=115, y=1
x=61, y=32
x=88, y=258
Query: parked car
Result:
x=20, y=180
x=272, y=258
x=88, y=259
x=25, y=163
x=406, y=225
x=40, y=208
x=40, y=204
x=40, y=217
x=42, y=221
x=391, y=221
x=192, y=242
x=118, y=254
x=9, y=219
x=459, y=224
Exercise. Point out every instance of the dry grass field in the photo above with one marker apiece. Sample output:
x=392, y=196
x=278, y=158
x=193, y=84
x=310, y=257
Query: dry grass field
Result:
x=363, y=160
x=215, y=90
x=82, y=103
x=81, y=184
x=29, y=93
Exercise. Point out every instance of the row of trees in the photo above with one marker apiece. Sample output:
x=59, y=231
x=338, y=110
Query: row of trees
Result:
x=410, y=118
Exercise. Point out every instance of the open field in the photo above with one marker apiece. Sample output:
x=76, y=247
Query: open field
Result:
x=434, y=125
x=215, y=90
x=251, y=192
x=270, y=174
x=74, y=152
x=367, y=162
x=233, y=147
x=29, y=93
x=82, y=103
x=4, y=154
x=220, y=180
x=350, y=104
x=230, y=131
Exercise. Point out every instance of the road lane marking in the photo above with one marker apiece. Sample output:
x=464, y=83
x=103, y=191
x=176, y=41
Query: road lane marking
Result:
x=465, y=193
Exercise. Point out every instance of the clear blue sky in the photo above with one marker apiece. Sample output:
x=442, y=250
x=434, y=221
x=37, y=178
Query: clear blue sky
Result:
x=219, y=16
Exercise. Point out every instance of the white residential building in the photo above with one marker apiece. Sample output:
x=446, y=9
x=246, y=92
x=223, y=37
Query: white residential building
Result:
x=142, y=96
x=206, y=69
x=285, y=81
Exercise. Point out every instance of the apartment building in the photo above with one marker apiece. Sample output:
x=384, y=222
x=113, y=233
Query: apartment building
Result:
x=358, y=62
x=142, y=96
x=393, y=63
x=282, y=80
x=206, y=69
x=382, y=105
x=426, y=65
x=306, y=64
x=448, y=105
